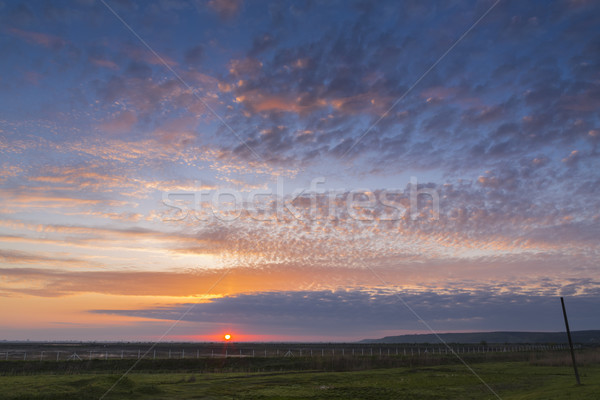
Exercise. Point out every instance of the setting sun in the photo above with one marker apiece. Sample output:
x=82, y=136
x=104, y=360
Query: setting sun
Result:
x=227, y=336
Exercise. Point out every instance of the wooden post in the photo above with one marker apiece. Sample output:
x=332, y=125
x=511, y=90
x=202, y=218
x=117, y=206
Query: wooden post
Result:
x=562, y=302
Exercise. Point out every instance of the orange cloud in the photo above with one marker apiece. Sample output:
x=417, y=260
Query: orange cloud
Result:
x=258, y=101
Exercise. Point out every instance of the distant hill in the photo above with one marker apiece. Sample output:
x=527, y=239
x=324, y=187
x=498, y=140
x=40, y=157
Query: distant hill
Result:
x=582, y=337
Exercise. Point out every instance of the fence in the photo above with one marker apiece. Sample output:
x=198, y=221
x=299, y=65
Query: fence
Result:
x=212, y=351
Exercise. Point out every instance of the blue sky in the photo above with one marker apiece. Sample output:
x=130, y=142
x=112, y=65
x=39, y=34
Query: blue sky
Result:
x=297, y=154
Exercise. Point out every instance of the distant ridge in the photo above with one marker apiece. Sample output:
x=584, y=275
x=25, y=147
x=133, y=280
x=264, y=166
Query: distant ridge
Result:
x=582, y=337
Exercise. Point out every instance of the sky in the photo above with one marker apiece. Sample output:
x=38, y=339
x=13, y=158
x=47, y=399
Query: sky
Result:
x=297, y=171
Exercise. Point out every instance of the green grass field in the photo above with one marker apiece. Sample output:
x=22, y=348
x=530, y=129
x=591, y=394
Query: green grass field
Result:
x=511, y=380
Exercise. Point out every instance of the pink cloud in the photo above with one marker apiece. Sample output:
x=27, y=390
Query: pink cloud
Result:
x=104, y=63
x=42, y=39
x=226, y=8
x=246, y=66
x=121, y=123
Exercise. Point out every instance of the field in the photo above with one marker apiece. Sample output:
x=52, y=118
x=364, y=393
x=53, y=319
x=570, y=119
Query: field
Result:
x=522, y=375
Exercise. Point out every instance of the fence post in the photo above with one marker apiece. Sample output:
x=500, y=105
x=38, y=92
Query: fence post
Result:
x=562, y=301
x=57, y=355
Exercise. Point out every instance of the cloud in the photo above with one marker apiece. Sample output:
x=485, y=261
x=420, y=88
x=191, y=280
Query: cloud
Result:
x=42, y=39
x=248, y=67
x=142, y=55
x=122, y=123
x=194, y=55
x=367, y=313
x=503, y=130
x=226, y=9
x=11, y=257
x=261, y=43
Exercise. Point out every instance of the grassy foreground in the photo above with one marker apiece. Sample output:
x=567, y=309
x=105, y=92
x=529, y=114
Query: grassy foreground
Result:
x=511, y=380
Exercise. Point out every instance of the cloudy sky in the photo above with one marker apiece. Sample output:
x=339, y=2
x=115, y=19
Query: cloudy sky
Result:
x=299, y=170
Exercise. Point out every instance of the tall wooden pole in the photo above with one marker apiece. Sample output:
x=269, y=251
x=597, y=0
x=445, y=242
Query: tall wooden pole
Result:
x=562, y=301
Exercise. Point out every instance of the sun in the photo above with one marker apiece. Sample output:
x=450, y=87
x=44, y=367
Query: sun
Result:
x=227, y=337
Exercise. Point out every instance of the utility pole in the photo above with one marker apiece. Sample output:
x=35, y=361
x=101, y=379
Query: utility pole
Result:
x=562, y=301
